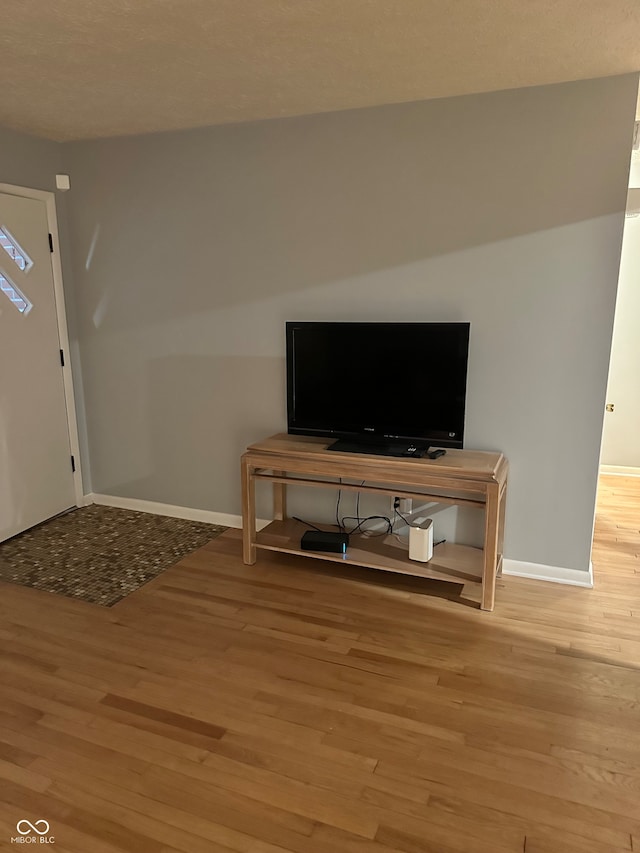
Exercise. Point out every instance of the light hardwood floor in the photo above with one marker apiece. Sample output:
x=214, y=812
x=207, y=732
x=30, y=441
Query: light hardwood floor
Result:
x=282, y=707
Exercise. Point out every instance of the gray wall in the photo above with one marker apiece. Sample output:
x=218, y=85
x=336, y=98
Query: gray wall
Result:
x=192, y=249
x=26, y=161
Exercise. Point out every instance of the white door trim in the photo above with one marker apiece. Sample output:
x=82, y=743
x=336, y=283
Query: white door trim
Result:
x=49, y=200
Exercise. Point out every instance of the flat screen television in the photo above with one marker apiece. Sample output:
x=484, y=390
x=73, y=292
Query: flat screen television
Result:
x=390, y=388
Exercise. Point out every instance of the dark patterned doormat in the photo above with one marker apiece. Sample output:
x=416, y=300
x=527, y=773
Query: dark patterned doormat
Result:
x=98, y=553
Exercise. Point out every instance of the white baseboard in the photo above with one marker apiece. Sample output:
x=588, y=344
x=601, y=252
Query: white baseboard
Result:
x=620, y=470
x=554, y=574
x=534, y=571
x=155, y=508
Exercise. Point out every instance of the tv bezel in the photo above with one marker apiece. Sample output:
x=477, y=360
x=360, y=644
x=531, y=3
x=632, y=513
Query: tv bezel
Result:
x=432, y=438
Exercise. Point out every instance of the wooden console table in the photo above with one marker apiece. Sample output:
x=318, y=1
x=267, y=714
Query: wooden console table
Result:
x=461, y=477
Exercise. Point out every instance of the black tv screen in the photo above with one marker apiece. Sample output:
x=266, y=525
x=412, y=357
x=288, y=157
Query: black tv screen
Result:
x=378, y=381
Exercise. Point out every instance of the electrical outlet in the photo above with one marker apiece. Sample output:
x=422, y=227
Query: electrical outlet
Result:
x=395, y=504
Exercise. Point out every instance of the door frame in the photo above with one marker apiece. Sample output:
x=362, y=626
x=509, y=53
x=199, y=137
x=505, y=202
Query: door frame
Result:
x=49, y=200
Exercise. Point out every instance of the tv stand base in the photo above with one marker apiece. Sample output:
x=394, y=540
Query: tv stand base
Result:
x=461, y=478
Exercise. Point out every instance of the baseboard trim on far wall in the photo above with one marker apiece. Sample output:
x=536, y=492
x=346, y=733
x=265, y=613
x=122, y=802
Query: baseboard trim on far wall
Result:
x=155, y=508
x=554, y=574
x=620, y=470
x=534, y=571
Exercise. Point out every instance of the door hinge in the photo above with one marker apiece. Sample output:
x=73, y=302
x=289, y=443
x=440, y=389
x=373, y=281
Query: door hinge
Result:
x=51, y=242
x=62, y=358
x=73, y=464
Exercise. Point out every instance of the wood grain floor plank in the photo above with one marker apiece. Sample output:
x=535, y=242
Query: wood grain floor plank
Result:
x=544, y=841
x=292, y=707
x=139, y=828
x=200, y=830
x=524, y=802
x=169, y=718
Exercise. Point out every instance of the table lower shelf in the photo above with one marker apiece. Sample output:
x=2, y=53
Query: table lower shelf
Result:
x=459, y=564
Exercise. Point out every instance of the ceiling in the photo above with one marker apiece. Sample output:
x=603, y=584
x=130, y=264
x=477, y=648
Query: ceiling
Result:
x=77, y=69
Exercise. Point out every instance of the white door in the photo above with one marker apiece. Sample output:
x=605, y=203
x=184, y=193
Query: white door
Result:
x=621, y=438
x=36, y=476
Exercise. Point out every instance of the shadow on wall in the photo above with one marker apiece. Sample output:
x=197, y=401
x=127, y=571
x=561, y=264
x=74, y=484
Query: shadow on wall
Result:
x=200, y=413
x=194, y=436
x=192, y=221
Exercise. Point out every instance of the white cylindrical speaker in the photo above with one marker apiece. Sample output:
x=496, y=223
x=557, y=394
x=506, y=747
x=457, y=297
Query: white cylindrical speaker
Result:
x=421, y=540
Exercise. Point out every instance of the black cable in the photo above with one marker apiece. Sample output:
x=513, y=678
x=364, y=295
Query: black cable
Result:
x=358, y=503
x=408, y=523
x=339, y=525
x=397, y=512
x=308, y=523
x=361, y=521
x=441, y=542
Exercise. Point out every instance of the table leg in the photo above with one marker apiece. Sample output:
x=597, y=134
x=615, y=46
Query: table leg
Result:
x=501, y=515
x=279, y=498
x=491, y=525
x=248, y=513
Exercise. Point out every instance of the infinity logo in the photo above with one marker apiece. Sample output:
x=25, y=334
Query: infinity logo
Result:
x=32, y=827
